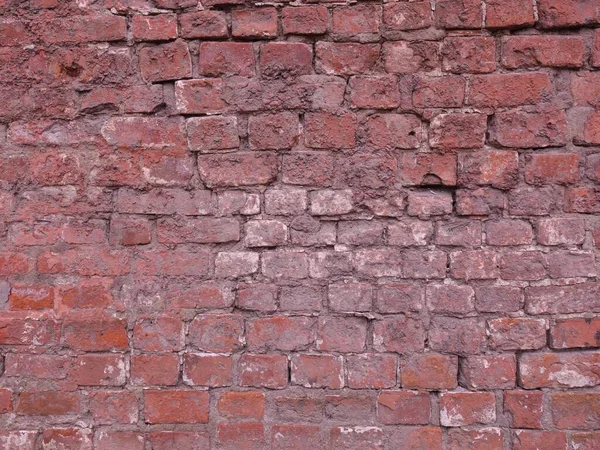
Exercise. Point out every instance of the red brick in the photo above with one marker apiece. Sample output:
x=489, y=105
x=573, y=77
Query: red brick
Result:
x=312, y=169
x=100, y=370
x=467, y=408
x=257, y=297
x=562, y=299
x=144, y=132
x=560, y=168
x=457, y=131
x=238, y=202
x=28, y=297
x=344, y=334
x=379, y=92
x=424, y=264
x=23, y=439
x=165, y=440
x=335, y=58
x=155, y=369
x=559, y=14
x=242, y=405
x=459, y=14
x=295, y=437
x=285, y=59
x=48, y=403
x=571, y=264
x=164, y=202
x=425, y=204
x=317, y=371
x=14, y=263
x=358, y=22
x=534, y=439
x=350, y=297
x=341, y=438
x=498, y=298
x=430, y=371
x=488, y=372
x=159, y=334
x=478, y=439
x=285, y=265
x=585, y=441
x=509, y=13
x=175, y=262
x=280, y=333
x=398, y=334
x=6, y=404
x=197, y=230
x=175, y=406
x=162, y=27
x=471, y=54
x=199, y=96
x=109, y=407
x=304, y=19
x=496, y=168
x=403, y=407
x=254, y=23
x=517, y=129
x=399, y=297
x=439, y=92
x=575, y=333
x=96, y=334
x=590, y=136
x=584, y=88
x=273, y=131
x=450, y=299
x=130, y=440
x=217, y=333
x=408, y=233
x=371, y=371
x=406, y=16
x=28, y=331
x=166, y=62
x=524, y=266
x=286, y=201
x=459, y=336
x=559, y=370
x=575, y=410
x=582, y=199
x=473, y=264
x=237, y=169
x=418, y=438
x=80, y=29
x=410, y=57
x=52, y=367
x=517, y=333
x=350, y=407
x=524, y=408
x=402, y=131
x=203, y=24
x=206, y=134
x=268, y=371
x=548, y=51
x=241, y=436
x=504, y=90
x=539, y=201
x=324, y=130
x=220, y=59
x=66, y=438
x=301, y=298
x=558, y=231
x=235, y=264
x=378, y=262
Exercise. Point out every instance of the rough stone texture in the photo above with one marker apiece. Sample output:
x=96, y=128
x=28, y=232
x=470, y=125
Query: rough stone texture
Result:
x=319, y=224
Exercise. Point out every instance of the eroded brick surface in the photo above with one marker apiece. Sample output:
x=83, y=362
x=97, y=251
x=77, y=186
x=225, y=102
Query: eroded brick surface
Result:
x=231, y=224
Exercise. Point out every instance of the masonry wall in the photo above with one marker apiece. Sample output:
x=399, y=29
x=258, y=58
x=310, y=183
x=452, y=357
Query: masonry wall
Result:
x=315, y=225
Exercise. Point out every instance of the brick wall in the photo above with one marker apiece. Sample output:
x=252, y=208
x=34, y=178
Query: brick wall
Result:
x=299, y=226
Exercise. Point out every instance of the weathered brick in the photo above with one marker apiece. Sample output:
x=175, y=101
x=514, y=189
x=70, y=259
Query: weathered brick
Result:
x=576, y=332
x=548, y=51
x=164, y=62
x=488, y=372
x=469, y=54
x=506, y=90
x=254, y=23
x=285, y=59
x=304, y=20
x=429, y=371
x=317, y=371
x=345, y=58
x=509, y=13
x=559, y=370
x=467, y=408
x=176, y=406
x=517, y=333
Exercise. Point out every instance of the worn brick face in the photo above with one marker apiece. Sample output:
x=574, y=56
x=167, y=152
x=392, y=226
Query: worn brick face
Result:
x=239, y=225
